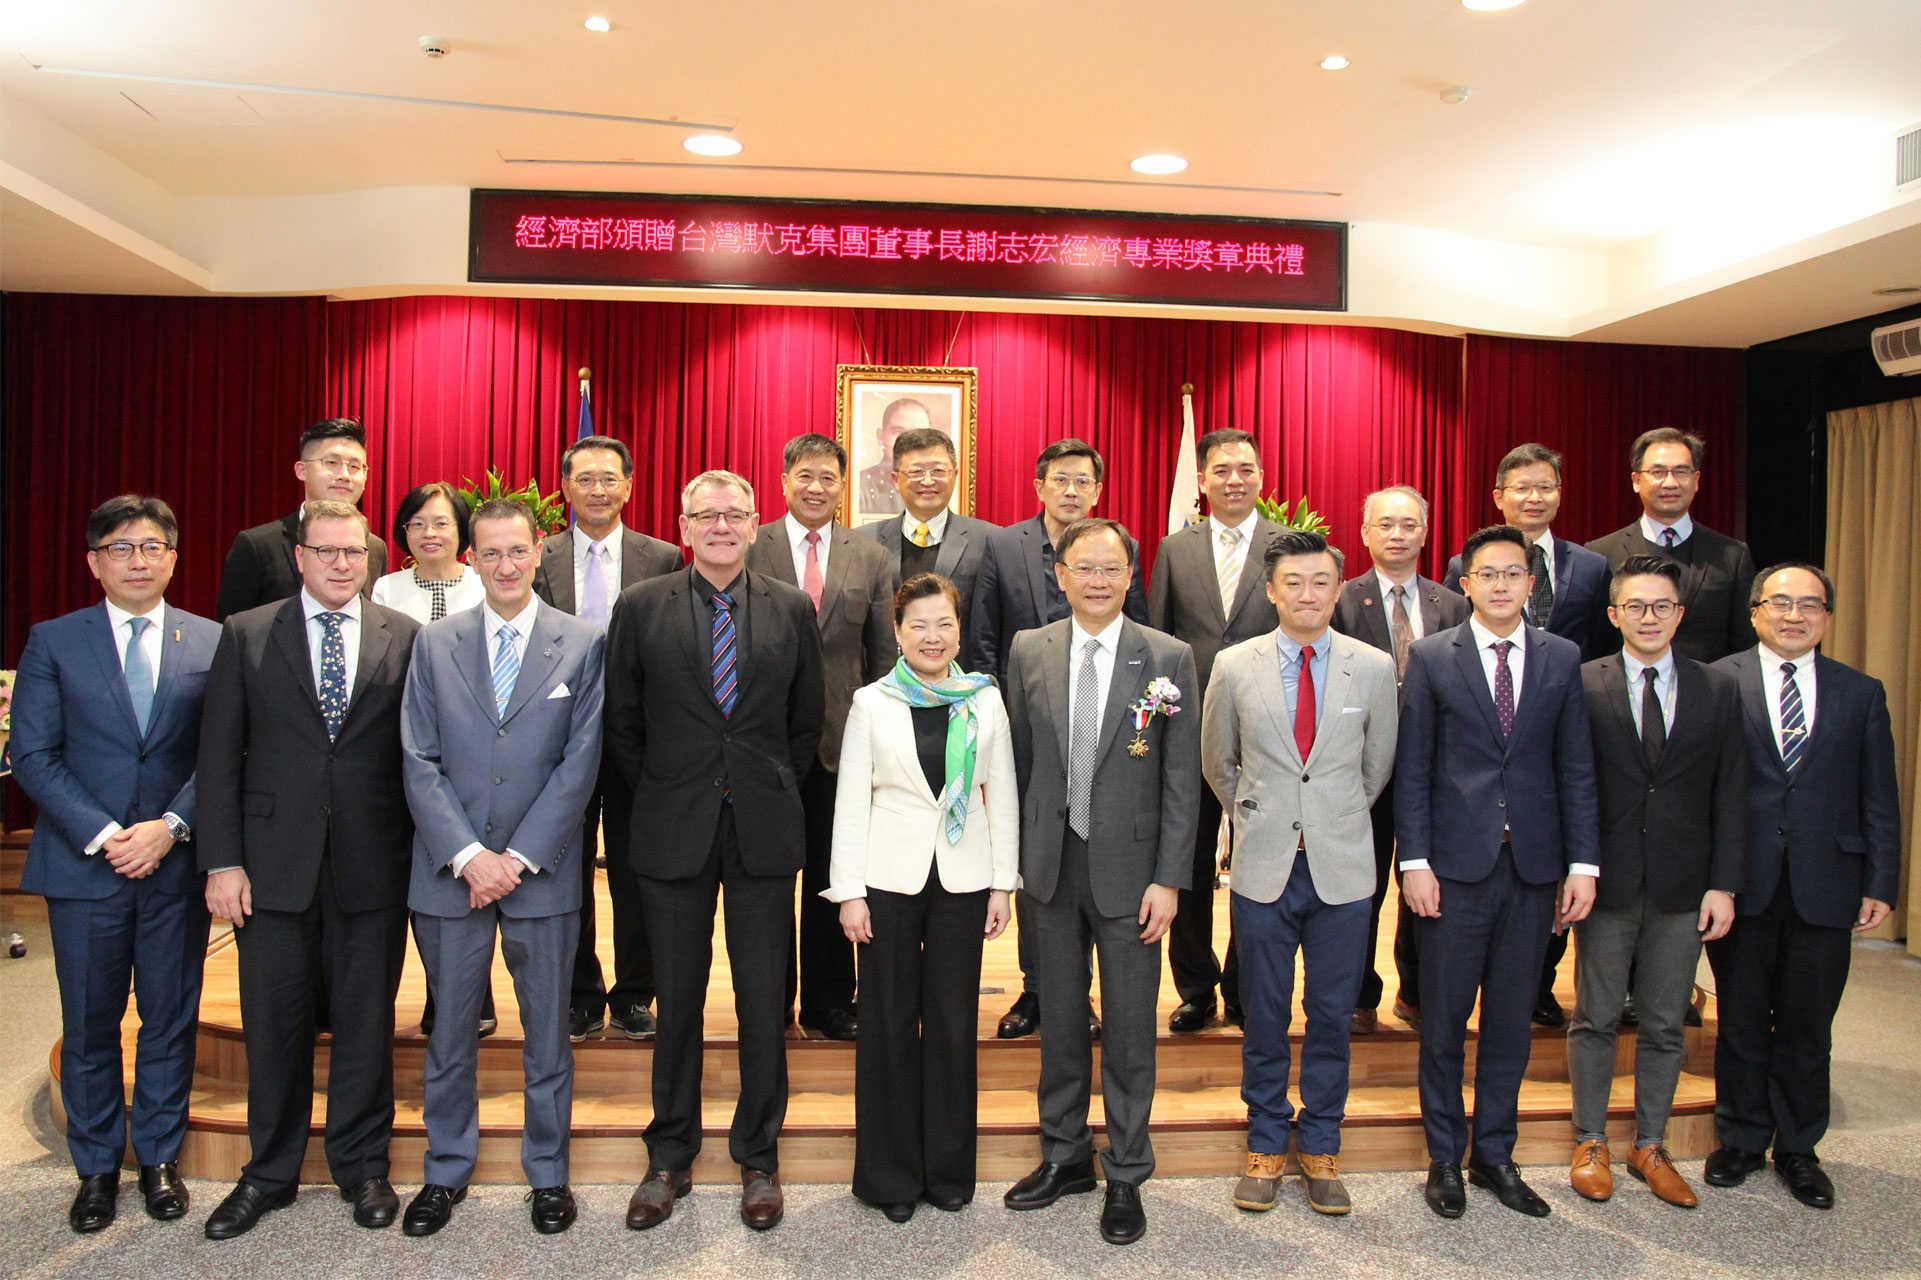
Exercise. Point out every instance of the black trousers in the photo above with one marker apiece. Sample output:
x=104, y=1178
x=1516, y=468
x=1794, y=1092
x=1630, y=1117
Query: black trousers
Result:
x=1407, y=944
x=1778, y=982
x=611, y=809
x=284, y=956
x=760, y=937
x=1190, y=939
x=825, y=978
x=915, y=1100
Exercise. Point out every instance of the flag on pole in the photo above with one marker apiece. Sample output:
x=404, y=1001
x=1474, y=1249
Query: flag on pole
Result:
x=1184, y=494
x=586, y=407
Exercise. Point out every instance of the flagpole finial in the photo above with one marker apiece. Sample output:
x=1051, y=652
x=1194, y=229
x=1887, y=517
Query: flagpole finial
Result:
x=1187, y=388
x=585, y=373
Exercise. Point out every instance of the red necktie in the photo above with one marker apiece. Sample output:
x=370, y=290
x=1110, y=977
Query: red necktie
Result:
x=1304, y=704
x=813, y=584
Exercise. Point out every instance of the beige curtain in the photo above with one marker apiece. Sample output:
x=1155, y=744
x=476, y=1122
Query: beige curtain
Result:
x=1874, y=556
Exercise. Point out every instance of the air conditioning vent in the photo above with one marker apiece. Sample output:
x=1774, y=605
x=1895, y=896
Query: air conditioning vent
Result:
x=1897, y=348
x=1907, y=158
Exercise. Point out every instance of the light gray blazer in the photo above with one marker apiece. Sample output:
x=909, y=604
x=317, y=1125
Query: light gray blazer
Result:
x=1273, y=798
x=519, y=781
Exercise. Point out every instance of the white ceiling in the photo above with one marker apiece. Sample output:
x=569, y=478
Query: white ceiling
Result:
x=1591, y=124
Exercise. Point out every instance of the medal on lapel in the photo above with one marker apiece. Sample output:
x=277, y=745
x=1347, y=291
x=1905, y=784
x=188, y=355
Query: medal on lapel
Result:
x=1161, y=699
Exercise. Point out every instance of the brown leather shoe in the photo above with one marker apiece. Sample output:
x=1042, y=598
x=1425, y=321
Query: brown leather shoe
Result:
x=1325, y=1194
x=1257, y=1188
x=1364, y=1022
x=1590, y=1175
x=654, y=1198
x=761, y=1204
x=1653, y=1166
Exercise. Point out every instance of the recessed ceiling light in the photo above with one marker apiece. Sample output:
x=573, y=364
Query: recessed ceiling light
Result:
x=1899, y=290
x=1489, y=6
x=1333, y=62
x=598, y=23
x=712, y=144
x=1158, y=164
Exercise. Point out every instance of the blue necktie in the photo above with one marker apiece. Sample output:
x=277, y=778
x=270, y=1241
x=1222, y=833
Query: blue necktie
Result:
x=506, y=670
x=139, y=674
x=333, y=673
x=726, y=677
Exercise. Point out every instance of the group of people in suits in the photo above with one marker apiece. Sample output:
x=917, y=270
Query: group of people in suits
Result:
x=941, y=728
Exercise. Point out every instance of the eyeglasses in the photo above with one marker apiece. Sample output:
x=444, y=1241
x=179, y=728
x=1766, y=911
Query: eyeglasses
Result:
x=429, y=526
x=1532, y=490
x=914, y=475
x=591, y=483
x=1662, y=609
x=708, y=519
x=1398, y=526
x=1782, y=606
x=1079, y=484
x=1493, y=577
x=1100, y=572
x=152, y=549
x=1681, y=475
x=330, y=555
x=338, y=466
x=492, y=556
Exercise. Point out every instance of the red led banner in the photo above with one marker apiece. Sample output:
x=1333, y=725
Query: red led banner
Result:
x=574, y=237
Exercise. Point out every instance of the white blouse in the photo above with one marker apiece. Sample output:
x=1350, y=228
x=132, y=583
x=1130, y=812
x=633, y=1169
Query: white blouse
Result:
x=400, y=591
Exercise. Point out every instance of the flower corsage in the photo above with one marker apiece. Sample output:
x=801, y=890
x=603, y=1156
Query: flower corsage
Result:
x=1162, y=698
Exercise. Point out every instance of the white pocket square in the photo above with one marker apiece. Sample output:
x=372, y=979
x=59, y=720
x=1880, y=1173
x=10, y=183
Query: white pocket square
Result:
x=560, y=691
x=1352, y=711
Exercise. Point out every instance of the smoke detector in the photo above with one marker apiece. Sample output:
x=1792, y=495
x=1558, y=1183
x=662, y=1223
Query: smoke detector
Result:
x=434, y=46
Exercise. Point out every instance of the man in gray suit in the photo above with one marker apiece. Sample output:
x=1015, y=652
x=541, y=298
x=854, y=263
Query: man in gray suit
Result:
x=1092, y=713
x=497, y=840
x=1298, y=740
x=929, y=538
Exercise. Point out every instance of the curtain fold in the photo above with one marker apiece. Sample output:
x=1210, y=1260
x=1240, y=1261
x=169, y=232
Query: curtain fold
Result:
x=1874, y=557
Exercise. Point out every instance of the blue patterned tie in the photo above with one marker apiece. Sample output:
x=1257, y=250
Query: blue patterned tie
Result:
x=1794, y=725
x=139, y=674
x=506, y=670
x=726, y=677
x=333, y=673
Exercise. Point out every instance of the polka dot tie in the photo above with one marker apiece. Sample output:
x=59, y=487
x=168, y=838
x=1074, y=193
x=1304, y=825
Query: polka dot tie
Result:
x=333, y=672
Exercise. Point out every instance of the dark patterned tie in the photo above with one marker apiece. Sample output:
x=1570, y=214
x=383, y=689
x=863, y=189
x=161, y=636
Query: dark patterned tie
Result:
x=333, y=673
x=1794, y=724
x=1083, y=739
x=1668, y=539
x=726, y=677
x=1403, y=634
x=1654, y=730
x=1540, y=596
x=1503, y=688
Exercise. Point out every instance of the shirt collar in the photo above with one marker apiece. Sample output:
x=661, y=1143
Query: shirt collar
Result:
x=1109, y=637
x=312, y=608
x=797, y=532
x=1651, y=528
x=1483, y=638
x=118, y=616
x=1388, y=584
x=936, y=528
x=1292, y=651
x=1546, y=543
x=1664, y=669
x=522, y=623
x=1771, y=661
x=1245, y=528
x=584, y=540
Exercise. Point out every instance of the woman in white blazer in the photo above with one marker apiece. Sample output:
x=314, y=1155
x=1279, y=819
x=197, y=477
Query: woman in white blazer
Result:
x=926, y=851
x=431, y=525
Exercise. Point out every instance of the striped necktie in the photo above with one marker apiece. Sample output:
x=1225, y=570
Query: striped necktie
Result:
x=1082, y=740
x=506, y=669
x=726, y=677
x=1794, y=723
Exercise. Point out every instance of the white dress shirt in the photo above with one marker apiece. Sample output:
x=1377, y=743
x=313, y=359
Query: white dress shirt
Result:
x=150, y=645
x=1771, y=689
x=936, y=531
x=1651, y=529
x=317, y=632
x=1664, y=687
x=797, y=543
x=1109, y=640
x=583, y=561
x=1413, y=603
x=1216, y=527
x=523, y=630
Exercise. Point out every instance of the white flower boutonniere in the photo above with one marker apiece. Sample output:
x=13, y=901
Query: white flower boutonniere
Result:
x=1162, y=698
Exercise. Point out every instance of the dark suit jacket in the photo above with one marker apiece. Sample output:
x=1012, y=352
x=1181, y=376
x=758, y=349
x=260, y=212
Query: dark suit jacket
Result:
x=1679, y=829
x=1580, y=610
x=856, y=617
x=1715, y=583
x=79, y=754
x=1835, y=824
x=1185, y=597
x=1457, y=784
x=260, y=567
x=641, y=558
x=1359, y=612
x=667, y=736
x=1010, y=595
x=1145, y=807
x=275, y=793
x=958, y=560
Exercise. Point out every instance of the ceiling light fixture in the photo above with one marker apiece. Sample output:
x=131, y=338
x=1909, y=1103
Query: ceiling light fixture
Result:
x=1333, y=62
x=711, y=144
x=1899, y=290
x=1158, y=164
x=1455, y=95
x=1489, y=6
x=598, y=23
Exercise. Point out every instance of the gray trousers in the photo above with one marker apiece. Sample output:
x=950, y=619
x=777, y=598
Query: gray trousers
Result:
x=1662, y=948
x=1065, y=930
x=459, y=954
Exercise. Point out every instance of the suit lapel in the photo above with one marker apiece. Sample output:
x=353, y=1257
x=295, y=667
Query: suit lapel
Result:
x=470, y=660
x=1055, y=674
x=632, y=551
x=1690, y=708
x=1754, y=702
x=112, y=674
x=170, y=643
x=697, y=644
x=1253, y=568
x=835, y=576
x=1619, y=719
x=1373, y=617
x=1273, y=691
x=1340, y=674
x=290, y=534
x=900, y=731
x=1533, y=672
x=1468, y=658
x=1035, y=538
x=952, y=547
x=759, y=622
x=375, y=640
x=290, y=637
x=557, y=566
x=1818, y=735
x=1428, y=592
x=542, y=656
x=1128, y=684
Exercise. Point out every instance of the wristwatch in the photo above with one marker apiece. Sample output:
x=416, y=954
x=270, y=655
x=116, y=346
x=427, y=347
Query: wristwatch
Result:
x=176, y=828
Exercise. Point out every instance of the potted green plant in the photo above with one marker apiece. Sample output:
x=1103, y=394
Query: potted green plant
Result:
x=550, y=513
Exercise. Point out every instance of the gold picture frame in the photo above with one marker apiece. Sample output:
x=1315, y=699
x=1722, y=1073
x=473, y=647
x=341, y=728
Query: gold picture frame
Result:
x=865, y=395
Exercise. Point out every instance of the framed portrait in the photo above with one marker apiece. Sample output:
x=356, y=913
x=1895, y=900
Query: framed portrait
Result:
x=873, y=405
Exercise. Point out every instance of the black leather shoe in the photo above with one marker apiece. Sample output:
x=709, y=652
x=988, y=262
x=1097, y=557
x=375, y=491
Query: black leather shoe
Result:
x=431, y=1209
x=900, y=1211
x=945, y=1204
x=1692, y=1017
x=1631, y=1017
x=375, y=1204
x=1548, y=1011
x=489, y=1023
x=581, y=1024
x=636, y=1023
x=1049, y=1183
x=165, y=1194
x=95, y=1203
x=1806, y=1180
x=1730, y=1166
x=1504, y=1180
x=1232, y=1015
x=1024, y=1019
x=1192, y=1016
x=835, y=1024
x=1093, y=1026
x=1445, y=1194
x=244, y=1205
x=1123, y=1221
x=554, y=1209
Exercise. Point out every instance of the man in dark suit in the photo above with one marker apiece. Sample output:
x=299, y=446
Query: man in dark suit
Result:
x=1569, y=598
x=106, y=715
x=1084, y=700
x=929, y=538
x=501, y=724
x=1494, y=804
x=583, y=569
x=1390, y=607
x=1716, y=570
x=306, y=841
x=1671, y=772
x=1018, y=590
x=1824, y=862
x=1208, y=590
x=849, y=584
x=260, y=565
x=714, y=697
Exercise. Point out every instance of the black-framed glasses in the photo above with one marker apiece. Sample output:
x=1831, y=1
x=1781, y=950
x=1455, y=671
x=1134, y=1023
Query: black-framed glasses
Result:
x=1661, y=475
x=1662, y=609
x=708, y=519
x=151, y=549
x=331, y=555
